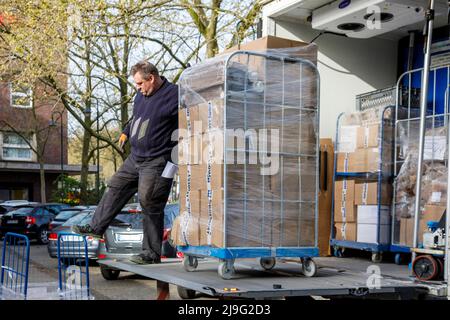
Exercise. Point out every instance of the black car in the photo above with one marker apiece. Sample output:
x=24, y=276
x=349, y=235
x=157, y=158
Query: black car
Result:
x=31, y=220
x=64, y=215
x=8, y=206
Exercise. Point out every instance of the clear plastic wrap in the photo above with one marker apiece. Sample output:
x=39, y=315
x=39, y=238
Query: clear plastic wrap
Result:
x=248, y=148
x=434, y=179
x=365, y=141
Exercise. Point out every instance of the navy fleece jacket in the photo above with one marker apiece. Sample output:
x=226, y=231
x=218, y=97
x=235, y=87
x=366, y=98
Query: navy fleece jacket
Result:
x=154, y=120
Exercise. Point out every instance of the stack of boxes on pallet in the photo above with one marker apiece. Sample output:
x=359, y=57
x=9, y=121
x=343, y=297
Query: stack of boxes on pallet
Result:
x=364, y=148
x=434, y=181
x=238, y=186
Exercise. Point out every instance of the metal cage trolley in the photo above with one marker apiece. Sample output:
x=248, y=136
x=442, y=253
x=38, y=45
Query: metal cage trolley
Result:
x=73, y=267
x=435, y=161
x=362, y=178
x=15, y=266
x=253, y=117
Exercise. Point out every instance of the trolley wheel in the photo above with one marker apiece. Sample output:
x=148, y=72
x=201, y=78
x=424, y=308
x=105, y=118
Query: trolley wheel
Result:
x=425, y=267
x=338, y=252
x=226, y=269
x=190, y=263
x=377, y=257
x=309, y=267
x=185, y=293
x=398, y=258
x=267, y=263
x=109, y=274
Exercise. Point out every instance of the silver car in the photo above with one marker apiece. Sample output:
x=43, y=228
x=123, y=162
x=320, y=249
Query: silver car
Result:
x=73, y=246
x=124, y=237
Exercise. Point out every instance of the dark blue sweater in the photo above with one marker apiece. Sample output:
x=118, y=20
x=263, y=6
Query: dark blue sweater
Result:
x=154, y=120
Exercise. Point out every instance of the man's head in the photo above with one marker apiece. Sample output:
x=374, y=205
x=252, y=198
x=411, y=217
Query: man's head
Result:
x=146, y=77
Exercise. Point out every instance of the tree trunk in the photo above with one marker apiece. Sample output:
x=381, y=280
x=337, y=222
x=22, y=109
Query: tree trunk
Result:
x=85, y=165
x=42, y=177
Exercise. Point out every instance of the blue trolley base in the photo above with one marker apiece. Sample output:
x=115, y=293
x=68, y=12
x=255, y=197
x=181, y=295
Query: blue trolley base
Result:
x=266, y=255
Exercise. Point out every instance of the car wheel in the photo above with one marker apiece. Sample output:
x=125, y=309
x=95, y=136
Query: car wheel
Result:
x=43, y=236
x=109, y=274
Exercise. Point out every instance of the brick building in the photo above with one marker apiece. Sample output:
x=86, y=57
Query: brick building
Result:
x=25, y=114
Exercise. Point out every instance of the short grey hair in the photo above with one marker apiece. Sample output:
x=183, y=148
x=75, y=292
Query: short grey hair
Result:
x=145, y=68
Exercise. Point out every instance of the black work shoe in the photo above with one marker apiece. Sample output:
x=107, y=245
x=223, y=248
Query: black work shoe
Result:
x=85, y=230
x=143, y=259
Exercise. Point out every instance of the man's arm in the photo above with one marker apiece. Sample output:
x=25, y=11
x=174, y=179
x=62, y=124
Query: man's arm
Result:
x=125, y=133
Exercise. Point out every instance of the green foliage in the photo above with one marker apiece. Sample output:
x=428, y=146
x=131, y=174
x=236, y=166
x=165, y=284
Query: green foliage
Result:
x=67, y=190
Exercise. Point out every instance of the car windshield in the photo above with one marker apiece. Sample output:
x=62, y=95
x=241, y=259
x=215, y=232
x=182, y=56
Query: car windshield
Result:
x=82, y=218
x=65, y=215
x=126, y=218
x=21, y=211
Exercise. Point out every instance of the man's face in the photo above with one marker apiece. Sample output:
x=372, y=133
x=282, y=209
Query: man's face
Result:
x=146, y=87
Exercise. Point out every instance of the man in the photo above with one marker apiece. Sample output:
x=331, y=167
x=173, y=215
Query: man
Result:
x=155, y=118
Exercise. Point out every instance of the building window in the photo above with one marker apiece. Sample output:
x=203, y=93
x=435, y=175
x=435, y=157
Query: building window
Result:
x=15, y=147
x=20, y=96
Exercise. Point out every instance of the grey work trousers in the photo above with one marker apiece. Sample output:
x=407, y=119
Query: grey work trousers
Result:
x=143, y=176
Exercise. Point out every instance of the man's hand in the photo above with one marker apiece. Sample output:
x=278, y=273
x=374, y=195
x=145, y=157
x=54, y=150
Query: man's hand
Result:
x=123, y=138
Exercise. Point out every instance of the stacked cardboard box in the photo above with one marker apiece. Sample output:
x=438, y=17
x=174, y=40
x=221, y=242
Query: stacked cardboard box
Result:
x=359, y=148
x=406, y=228
x=355, y=200
x=228, y=197
x=372, y=221
x=345, y=210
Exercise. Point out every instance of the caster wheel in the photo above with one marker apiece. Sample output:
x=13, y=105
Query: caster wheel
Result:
x=185, y=293
x=267, y=263
x=109, y=274
x=309, y=267
x=398, y=259
x=377, y=257
x=190, y=263
x=425, y=267
x=226, y=269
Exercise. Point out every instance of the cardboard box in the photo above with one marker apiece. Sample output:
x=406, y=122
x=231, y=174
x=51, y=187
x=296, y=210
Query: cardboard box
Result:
x=429, y=213
x=297, y=91
x=347, y=138
x=325, y=194
x=344, y=199
x=370, y=214
x=199, y=177
x=368, y=233
x=368, y=136
x=346, y=231
x=185, y=230
x=406, y=232
x=438, y=195
x=366, y=193
x=271, y=42
x=342, y=162
x=364, y=160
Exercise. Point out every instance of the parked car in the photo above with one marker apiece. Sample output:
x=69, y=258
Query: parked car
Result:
x=124, y=237
x=57, y=207
x=32, y=220
x=64, y=215
x=76, y=249
x=10, y=205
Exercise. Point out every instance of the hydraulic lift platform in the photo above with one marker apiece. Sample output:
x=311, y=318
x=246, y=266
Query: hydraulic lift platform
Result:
x=341, y=280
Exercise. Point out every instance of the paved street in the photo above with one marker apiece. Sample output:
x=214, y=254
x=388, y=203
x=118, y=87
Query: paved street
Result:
x=43, y=280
